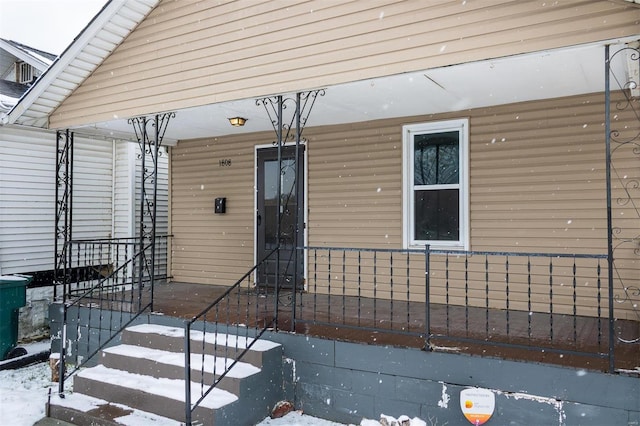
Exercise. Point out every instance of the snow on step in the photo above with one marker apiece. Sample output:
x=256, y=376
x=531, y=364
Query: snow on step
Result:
x=213, y=338
x=168, y=388
x=239, y=371
x=84, y=403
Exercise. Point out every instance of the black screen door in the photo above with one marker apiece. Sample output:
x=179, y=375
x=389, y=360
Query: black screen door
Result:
x=267, y=215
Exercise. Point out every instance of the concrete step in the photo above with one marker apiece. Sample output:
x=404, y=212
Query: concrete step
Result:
x=82, y=410
x=161, y=396
x=170, y=365
x=145, y=374
x=227, y=345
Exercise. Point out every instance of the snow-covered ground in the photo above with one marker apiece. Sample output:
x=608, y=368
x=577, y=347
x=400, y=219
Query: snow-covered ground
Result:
x=24, y=392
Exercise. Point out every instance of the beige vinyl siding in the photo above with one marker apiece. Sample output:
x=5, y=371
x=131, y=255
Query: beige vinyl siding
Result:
x=529, y=172
x=355, y=185
x=209, y=248
x=188, y=53
x=537, y=184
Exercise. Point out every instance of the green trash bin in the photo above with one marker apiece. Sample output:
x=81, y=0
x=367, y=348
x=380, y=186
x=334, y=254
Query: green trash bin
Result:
x=13, y=296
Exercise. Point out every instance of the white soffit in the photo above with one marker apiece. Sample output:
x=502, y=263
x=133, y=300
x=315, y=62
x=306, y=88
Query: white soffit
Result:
x=101, y=36
x=528, y=77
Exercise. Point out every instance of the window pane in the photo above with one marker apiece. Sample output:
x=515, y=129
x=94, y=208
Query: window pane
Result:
x=436, y=159
x=436, y=215
x=287, y=199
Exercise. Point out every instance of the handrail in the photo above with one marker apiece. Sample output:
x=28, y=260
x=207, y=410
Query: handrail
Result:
x=99, y=288
x=237, y=351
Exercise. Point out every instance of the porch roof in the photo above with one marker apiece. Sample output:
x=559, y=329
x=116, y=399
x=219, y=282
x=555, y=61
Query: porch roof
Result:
x=532, y=76
x=95, y=42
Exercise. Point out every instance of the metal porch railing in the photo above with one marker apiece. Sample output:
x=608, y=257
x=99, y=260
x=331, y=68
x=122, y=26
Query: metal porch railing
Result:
x=225, y=330
x=102, y=294
x=546, y=302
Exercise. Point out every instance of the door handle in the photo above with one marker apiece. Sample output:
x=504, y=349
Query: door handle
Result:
x=259, y=220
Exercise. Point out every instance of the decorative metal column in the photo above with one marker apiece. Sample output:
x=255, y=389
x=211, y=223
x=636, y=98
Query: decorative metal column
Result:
x=622, y=140
x=149, y=134
x=289, y=129
x=64, y=212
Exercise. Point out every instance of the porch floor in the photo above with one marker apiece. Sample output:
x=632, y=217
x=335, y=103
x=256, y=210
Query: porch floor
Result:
x=357, y=320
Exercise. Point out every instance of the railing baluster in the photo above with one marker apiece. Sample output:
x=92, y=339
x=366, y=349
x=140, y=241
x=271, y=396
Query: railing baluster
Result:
x=329, y=285
x=466, y=294
x=315, y=284
x=359, y=300
x=391, y=290
x=575, y=301
x=187, y=373
x=551, y=298
x=427, y=296
x=599, y=295
x=344, y=286
x=529, y=307
x=408, y=306
x=375, y=287
x=446, y=292
x=486, y=295
x=507, y=294
x=203, y=351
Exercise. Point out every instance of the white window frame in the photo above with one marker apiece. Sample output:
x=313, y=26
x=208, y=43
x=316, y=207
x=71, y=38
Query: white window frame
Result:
x=408, y=133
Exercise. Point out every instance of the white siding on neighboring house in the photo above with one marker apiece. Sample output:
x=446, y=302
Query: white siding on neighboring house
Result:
x=27, y=196
x=27, y=202
x=92, y=188
x=124, y=191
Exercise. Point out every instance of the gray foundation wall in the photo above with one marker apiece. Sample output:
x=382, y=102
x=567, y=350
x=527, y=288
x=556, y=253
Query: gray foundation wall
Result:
x=346, y=382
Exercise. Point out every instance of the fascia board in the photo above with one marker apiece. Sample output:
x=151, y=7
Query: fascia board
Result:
x=68, y=56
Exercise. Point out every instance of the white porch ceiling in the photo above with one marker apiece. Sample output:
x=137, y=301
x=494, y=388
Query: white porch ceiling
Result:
x=540, y=75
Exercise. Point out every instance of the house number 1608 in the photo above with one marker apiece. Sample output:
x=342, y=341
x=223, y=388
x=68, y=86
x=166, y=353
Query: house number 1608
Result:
x=225, y=162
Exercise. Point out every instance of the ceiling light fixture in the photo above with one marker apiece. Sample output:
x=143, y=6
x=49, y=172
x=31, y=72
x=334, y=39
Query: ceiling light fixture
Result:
x=237, y=121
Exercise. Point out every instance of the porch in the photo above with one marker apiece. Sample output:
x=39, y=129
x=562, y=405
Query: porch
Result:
x=577, y=341
x=552, y=308
x=541, y=308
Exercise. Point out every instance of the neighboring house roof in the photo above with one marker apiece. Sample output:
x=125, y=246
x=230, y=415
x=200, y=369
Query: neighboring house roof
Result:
x=12, y=89
x=37, y=58
x=99, y=38
x=10, y=92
